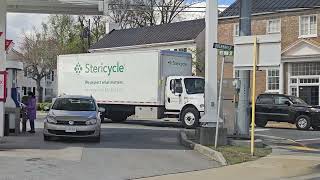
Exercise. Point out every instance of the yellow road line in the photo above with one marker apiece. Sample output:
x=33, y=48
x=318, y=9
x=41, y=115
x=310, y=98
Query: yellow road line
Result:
x=303, y=148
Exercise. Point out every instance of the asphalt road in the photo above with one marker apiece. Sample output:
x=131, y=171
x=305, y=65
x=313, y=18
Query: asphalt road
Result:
x=127, y=151
x=308, y=138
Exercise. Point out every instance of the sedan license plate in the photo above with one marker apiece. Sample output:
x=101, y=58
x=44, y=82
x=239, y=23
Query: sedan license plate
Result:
x=71, y=129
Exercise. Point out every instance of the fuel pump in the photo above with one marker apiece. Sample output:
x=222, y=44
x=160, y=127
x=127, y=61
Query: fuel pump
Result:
x=12, y=106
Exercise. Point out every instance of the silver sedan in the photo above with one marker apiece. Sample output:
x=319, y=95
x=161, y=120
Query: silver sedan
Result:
x=73, y=116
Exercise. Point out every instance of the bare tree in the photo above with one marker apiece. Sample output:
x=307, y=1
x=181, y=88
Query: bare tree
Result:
x=140, y=13
x=40, y=54
x=98, y=29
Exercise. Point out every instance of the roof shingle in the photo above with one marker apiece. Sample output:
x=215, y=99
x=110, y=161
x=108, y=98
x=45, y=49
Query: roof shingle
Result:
x=180, y=31
x=260, y=6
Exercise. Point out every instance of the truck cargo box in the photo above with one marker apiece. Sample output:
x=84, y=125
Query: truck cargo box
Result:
x=135, y=78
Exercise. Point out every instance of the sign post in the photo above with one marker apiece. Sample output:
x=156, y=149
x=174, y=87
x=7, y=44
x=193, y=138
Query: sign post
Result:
x=253, y=111
x=225, y=50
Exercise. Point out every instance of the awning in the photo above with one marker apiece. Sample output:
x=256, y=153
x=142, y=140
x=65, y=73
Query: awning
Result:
x=76, y=7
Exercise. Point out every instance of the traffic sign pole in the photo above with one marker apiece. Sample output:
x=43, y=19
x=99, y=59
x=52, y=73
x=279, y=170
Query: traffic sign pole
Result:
x=253, y=98
x=219, y=102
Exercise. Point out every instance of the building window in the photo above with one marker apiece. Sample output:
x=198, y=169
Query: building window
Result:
x=309, y=80
x=273, y=80
x=29, y=89
x=294, y=91
x=273, y=26
x=236, y=29
x=294, y=81
x=24, y=89
x=236, y=74
x=308, y=26
x=305, y=69
x=52, y=75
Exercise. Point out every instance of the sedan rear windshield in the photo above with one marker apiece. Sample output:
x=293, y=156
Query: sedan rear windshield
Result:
x=74, y=104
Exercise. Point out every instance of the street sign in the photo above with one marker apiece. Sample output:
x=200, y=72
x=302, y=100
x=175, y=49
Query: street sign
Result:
x=8, y=43
x=225, y=53
x=223, y=46
x=269, y=55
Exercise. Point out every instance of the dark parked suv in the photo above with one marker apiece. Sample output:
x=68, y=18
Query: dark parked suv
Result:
x=283, y=108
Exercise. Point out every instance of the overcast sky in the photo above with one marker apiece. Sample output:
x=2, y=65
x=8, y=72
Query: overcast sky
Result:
x=19, y=23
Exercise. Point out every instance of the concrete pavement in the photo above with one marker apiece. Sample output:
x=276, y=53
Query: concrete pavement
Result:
x=271, y=167
x=285, y=162
x=126, y=151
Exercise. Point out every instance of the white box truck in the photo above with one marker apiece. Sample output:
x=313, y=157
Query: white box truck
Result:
x=147, y=84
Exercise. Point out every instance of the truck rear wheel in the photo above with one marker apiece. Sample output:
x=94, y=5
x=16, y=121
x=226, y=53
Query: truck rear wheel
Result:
x=118, y=118
x=190, y=118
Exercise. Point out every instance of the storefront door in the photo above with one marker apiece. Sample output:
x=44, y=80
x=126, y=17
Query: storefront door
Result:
x=310, y=94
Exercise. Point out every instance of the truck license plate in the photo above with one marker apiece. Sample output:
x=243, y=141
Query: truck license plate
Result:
x=71, y=129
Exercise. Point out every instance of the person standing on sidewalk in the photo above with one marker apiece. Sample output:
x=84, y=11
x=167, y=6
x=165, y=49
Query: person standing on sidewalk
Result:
x=31, y=110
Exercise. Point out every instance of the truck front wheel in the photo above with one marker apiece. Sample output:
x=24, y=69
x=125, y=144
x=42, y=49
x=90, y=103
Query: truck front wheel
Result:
x=190, y=118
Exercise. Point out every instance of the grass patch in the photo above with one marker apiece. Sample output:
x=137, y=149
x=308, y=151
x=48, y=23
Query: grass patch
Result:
x=237, y=154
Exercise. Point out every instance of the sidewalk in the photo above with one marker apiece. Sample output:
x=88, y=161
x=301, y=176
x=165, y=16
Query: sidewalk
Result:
x=283, y=163
x=271, y=167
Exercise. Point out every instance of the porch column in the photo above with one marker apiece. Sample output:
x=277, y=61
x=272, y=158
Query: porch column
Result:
x=281, y=78
x=3, y=21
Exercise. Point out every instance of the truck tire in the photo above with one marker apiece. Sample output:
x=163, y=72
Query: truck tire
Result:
x=303, y=122
x=118, y=118
x=190, y=118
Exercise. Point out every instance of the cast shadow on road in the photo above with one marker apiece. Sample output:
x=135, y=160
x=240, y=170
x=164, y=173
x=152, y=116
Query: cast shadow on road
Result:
x=117, y=138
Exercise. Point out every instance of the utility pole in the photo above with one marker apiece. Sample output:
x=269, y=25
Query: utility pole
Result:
x=211, y=90
x=244, y=96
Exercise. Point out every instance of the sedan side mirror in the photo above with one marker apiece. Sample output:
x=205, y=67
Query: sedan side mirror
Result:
x=102, y=110
x=287, y=103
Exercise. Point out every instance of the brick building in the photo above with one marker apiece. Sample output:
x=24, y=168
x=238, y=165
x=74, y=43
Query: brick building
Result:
x=298, y=23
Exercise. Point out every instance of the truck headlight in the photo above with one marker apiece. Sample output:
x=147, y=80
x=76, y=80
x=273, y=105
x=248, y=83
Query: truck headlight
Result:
x=201, y=105
x=91, y=122
x=51, y=120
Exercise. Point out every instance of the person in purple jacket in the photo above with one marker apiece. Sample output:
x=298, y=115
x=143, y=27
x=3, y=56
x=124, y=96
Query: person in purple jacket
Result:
x=31, y=110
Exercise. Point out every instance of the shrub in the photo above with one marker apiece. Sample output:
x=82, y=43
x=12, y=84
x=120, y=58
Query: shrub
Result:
x=42, y=106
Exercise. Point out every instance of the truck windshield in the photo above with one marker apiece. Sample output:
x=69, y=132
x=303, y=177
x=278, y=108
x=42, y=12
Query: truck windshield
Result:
x=74, y=104
x=296, y=100
x=194, y=85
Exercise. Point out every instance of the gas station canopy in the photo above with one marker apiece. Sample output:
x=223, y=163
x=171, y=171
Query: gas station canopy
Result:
x=76, y=7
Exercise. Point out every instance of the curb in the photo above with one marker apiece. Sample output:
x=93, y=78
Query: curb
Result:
x=208, y=152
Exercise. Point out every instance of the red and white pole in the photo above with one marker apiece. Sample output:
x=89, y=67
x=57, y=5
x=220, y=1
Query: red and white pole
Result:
x=3, y=22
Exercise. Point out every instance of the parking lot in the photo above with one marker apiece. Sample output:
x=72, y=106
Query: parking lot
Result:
x=127, y=151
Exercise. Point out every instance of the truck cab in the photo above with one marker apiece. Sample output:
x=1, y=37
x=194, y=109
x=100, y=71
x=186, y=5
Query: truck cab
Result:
x=184, y=96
